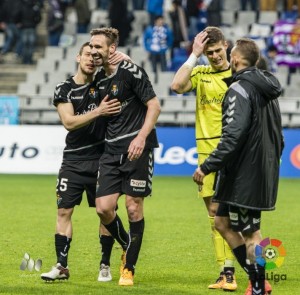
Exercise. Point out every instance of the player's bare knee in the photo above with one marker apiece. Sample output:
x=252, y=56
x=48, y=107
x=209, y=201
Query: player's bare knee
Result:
x=220, y=225
x=64, y=213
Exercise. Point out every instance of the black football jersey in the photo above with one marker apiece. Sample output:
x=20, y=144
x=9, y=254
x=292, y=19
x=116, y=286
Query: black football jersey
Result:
x=131, y=86
x=87, y=142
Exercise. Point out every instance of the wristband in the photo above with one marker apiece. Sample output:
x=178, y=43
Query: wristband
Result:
x=191, y=61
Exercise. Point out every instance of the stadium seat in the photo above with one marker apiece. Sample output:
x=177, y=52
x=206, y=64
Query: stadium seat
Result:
x=36, y=77
x=267, y=17
x=162, y=84
x=231, y=5
x=48, y=89
x=47, y=64
x=260, y=30
x=291, y=91
x=68, y=66
x=26, y=89
x=141, y=20
x=82, y=38
x=29, y=117
x=285, y=120
x=71, y=15
x=261, y=43
x=138, y=54
x=70, y=29
x=245, y=19
x=288, y=105
x=167, y=118
x=295, y=121
x=92, y=4
x=59, y=76
x=171, y=104
x=190, y=104
x=99, y=18
x=2, y=37
x=185, y=118
x=50, y=117
x=36, y=102
x=234, y=32
x=228, y=17
x=54, y=52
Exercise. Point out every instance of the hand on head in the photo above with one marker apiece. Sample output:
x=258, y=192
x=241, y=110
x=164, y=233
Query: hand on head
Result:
x=200, y=41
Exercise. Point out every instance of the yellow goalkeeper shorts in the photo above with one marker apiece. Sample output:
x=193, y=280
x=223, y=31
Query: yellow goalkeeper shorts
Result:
x=209, y=180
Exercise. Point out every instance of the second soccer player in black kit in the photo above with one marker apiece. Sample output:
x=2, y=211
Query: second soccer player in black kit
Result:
x=126, y=167
x=78, y=104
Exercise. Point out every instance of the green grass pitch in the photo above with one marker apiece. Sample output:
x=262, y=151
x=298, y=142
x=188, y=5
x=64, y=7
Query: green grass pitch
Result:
x=176, y=255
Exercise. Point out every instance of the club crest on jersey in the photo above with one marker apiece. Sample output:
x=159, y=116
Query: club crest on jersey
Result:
x=114, y=89
x=92, y=93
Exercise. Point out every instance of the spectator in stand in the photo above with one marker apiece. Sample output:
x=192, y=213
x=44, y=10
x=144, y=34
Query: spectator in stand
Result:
x=157, y=40
x=103, y=4
x=11, y=14
x=83, y=15
x=253, y=4
x=268, y=5
x=138, y=4
x=55, y=21
x=213, y=8
x=154, y=8
x=192, y=10
x=30, y=18
x=292, y=5
x=179, y=25
x=270, y=56
x=120, y=19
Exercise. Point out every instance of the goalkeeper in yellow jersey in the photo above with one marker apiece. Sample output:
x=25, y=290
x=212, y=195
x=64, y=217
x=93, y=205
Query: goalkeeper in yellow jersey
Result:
x=210, y=88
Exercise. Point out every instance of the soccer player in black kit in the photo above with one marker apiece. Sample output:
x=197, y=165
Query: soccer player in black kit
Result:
x=78, y=104
x=126, y=167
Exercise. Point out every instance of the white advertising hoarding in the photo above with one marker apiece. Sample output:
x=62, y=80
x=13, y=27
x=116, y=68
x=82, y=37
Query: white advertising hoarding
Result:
x=31, y=149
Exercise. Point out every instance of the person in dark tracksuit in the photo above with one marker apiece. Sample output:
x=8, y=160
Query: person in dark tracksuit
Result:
x=247, y=158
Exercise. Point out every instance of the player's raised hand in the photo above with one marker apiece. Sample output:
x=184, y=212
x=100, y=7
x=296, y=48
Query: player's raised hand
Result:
x=117, y=57
x=109, y=107
x=200, y=41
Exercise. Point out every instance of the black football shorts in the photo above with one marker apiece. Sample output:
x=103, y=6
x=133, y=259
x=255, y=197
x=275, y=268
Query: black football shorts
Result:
x=74, y=178
x=119, y=175
x=241, y=219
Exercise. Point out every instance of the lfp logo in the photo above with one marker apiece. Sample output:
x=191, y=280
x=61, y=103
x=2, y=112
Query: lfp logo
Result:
x=270, y=253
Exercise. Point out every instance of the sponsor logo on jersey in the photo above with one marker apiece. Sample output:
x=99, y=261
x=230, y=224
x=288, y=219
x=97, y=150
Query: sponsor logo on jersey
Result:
x=137, y=183
x=215, y=100
x=205, y=81
x=233, y=216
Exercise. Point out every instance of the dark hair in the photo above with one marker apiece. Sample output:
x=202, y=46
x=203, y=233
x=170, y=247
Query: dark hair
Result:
x=249, y=50
x=215, y=35
x=177, y=2
x=82, y=46
x=272, y=48
x=158, y=17
x=111, y=34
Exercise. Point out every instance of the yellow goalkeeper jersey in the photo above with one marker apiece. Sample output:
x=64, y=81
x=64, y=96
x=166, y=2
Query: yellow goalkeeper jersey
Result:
x=210, y=91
